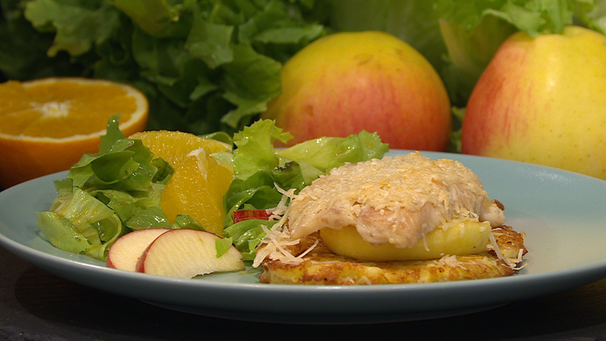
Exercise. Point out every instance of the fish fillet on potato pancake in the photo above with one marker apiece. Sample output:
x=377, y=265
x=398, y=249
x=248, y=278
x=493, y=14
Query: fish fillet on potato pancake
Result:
x=403, y=219
x=392, y=200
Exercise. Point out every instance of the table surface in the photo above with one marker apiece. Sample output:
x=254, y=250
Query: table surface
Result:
x=36, y=305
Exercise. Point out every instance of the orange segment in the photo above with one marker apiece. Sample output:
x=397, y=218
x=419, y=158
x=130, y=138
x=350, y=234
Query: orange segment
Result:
x=173, y=146
x=197, y=188
x=199, y=182
x=46, y=125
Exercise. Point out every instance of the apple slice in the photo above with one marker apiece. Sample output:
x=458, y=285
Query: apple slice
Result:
x=126, y=250
x=241, y=215
x=186, y=253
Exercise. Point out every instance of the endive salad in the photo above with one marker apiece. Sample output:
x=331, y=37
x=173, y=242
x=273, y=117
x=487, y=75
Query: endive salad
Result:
x=118, y=190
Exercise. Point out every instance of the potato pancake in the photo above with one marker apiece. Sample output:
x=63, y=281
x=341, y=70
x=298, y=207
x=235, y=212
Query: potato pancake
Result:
x=320, y=266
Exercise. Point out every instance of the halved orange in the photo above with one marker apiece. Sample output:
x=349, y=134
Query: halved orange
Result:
x=47, y=125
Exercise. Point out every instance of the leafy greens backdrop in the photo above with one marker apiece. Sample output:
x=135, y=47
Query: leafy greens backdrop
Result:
x=210, y=65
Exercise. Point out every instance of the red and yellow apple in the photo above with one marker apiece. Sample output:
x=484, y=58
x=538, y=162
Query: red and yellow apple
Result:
x=347, y=82
x=543, y=101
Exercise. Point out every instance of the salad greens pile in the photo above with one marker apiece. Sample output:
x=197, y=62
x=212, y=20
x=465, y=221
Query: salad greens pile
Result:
x=118, y=190
x=108, y=194
x=210, y=65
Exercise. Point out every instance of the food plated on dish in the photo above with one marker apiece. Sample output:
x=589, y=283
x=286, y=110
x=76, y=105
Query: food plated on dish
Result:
x=406, y=219
x=560, y=214
x=364, y=218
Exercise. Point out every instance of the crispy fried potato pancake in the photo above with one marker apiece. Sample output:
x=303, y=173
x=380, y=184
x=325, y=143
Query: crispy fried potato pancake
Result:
x=322, y=267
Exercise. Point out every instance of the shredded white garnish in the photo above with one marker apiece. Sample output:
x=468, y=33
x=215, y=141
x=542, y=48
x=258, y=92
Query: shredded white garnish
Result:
x=279, y=236
x=451, y=261
x=496, y=248
x=303, y=254
x=279, y=212
x=274, y=246
x=518, y=260
x=276, y=240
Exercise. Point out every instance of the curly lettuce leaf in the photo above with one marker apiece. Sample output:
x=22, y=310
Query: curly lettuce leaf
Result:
x=106, y=195
x=255, y=150
x=153, y=16
x=135, y=211
x=79, y=26
x=326, y=153
x=255, y=153
x=593, y=17
x=534, y=17
x=81, y=224
x=122, y=164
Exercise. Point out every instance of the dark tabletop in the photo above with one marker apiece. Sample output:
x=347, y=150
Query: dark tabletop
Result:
x=36, y=305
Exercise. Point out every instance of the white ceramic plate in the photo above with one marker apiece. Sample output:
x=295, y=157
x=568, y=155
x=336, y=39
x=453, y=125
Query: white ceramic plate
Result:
x=562, y=214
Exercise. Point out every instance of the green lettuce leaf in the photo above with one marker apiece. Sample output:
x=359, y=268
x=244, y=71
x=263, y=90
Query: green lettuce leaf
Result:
x=255, y=192
x=594, y=16
x=247, y=235
x=249, y=97
x=134, y=210
x=81, y=224
x=255, y=150
x=79, y=26
x=326, y=153
x=222, y=245
x=153, y=16
x=534, y=16
x=185, y=221
x=62, y=233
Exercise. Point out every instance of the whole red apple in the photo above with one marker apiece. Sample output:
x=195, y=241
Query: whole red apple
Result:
x=543, y=101
x=344, y=83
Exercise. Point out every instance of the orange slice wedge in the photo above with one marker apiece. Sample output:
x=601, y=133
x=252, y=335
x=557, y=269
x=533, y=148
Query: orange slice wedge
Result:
x=199, y=182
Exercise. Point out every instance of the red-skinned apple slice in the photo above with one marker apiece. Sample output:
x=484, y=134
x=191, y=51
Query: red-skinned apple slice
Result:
x=187, y=253
x=242, y=215
x=126, y=250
